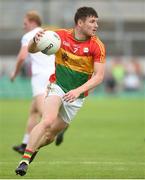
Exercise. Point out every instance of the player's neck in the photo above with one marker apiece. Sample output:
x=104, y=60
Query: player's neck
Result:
x=79, y=35
x=33, y=27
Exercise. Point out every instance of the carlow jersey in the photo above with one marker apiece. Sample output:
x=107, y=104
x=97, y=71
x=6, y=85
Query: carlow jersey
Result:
x=75, y=60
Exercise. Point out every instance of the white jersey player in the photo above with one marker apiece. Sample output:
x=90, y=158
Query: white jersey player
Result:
x=42, y=66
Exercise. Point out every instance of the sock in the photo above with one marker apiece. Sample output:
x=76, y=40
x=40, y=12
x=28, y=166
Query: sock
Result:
x=25, y=139
x=27, y=156
x=33, y=156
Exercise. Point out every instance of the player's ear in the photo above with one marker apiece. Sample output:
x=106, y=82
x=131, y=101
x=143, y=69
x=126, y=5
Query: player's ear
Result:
x=80, y=22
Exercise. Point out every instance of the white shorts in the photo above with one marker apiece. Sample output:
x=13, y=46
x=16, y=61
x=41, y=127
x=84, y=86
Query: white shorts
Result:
x=39, y=83
x=67, y=110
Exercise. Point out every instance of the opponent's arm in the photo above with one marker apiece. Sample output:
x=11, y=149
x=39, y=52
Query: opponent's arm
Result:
x=20, y=60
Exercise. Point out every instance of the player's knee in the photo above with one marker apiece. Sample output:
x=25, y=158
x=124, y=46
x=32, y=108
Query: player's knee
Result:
x=49, y=139
x=47, y=122
x=46, y=125
x=49, y=136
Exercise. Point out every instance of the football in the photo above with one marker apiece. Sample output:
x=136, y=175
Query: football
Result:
x=49, y=43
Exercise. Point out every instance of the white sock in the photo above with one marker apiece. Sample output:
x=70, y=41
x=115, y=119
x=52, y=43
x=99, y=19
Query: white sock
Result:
x=25, y=139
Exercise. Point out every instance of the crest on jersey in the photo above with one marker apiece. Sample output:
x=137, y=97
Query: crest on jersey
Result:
x=86, y=50
x=66, y=43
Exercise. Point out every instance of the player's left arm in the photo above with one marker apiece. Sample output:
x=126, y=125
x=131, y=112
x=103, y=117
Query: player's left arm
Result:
x=96, y=79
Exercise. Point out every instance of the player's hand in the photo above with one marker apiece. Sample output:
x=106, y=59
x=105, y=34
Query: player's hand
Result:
x=38, y=36
x=12, y=77
x=71, y=95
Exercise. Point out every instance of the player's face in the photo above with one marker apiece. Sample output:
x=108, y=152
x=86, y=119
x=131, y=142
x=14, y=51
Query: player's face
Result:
x=89, y=26
x=27, y=25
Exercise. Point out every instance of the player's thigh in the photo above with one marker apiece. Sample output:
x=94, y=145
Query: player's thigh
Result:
x=51, y=108
x=39, y=103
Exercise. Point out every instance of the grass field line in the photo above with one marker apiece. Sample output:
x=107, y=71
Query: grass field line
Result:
x=83, y=163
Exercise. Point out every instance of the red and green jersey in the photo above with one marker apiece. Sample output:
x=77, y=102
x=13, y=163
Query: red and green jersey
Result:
x=75, y=60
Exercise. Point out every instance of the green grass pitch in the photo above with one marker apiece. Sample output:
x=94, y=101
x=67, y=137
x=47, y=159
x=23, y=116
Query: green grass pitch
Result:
x=105, y=140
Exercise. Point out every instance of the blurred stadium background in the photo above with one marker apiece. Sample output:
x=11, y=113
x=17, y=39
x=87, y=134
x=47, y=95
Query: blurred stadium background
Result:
x=121, y=28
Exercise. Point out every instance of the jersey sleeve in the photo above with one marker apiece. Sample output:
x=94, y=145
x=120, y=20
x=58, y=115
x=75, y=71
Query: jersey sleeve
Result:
x=99, y=54
x=60, y=32
x=25, y=41
x=27, y=37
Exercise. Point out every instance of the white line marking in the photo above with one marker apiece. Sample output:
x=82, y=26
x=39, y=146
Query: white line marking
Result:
x=84, y=163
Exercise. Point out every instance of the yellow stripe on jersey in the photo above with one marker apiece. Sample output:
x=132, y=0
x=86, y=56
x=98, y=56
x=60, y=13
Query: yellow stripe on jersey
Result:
x=102, y=49
x=82, y=64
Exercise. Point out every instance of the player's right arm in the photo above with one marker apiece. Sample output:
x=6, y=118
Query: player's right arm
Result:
x=32, y=46
x=20, y=60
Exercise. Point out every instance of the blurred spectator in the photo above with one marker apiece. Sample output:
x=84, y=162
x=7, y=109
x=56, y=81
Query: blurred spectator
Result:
x=118, y=72
x=110, y=82
x=132, y=82
x=137, y=67
x=133, y=76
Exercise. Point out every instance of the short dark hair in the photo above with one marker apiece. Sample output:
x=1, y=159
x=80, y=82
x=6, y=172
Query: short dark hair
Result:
x=84, y=12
